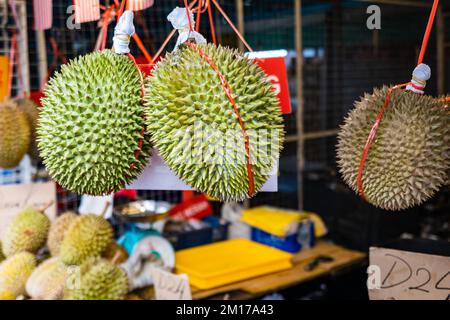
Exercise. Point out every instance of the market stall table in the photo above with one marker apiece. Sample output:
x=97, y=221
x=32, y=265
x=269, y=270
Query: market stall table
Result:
x=259, y=286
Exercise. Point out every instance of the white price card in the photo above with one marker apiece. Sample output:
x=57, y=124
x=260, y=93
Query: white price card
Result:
x=169, y=286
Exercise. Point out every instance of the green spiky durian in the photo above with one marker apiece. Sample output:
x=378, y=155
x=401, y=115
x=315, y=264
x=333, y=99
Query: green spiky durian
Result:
x=98, y=279
x=27, y=231
x=48, y=280
x=408, y=159
x=14, y=273
x=88, y=236
x=194, y=126
x=91, y=124
x=31, y=110
x=14, y=134
x=58, y=230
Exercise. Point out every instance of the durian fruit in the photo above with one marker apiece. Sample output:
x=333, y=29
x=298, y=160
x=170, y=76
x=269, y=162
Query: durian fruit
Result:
x=31, y=110
x=194, y=126
x=90, y=127
x=48, y=280
x=14, y=273
x=88, y=236
x=14, y=134
x=27, y=231
x=97, y=279
x=410, y=155
x=115, y=253
x=58, y=230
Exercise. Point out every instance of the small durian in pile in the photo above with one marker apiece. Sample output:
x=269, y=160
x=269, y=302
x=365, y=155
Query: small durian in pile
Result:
x=97, y=279
x=31, y=110
x=194, y=126
x=87, y=236
x=90, y=127
x=58, y=230
x=409, y=158
x=14, y=134
x=14, y=273
x=27, y=231
x=48, y=280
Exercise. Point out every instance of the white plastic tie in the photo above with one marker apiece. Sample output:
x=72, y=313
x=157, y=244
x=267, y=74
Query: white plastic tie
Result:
x=420, y=76
x=180, y=21
x=123, y=32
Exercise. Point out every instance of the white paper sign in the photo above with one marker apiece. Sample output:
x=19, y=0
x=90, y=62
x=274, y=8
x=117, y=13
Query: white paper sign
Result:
x=158, y=176
x=15, y=198
x=404, y=275
x=169, y=286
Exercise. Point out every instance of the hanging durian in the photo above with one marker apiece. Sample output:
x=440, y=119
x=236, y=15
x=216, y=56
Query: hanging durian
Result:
x=27, y=231
x=194, y=126
x=58, y=230
x=14, y=134
x=88, y=236
x=408, y=160
x=90, y=127
x=31, y=110
x=97, y=279
x=14, y=273
x=48, y=280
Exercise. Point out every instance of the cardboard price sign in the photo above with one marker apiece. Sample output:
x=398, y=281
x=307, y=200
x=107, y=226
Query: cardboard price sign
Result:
x=274, y=65
x=169, y=286
x=15, y=198
x=404, y=275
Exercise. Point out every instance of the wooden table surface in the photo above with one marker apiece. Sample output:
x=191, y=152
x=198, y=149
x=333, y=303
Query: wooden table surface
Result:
x=275, y=281
x=259, y=286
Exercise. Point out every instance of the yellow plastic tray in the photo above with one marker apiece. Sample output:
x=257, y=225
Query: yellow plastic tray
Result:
x=225, y=262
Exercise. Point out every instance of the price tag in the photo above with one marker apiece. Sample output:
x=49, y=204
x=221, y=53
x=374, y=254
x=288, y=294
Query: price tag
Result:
x=404, y=275
x=169, y=286
x=15, y=198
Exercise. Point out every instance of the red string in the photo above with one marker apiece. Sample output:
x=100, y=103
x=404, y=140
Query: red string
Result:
x=137, y=153
x=373, y=131
x=426, y=37
x=121, y=9
x=211, y=23
x=188, y=12
x=199, y=16
x=12, y=54
x=228, y=92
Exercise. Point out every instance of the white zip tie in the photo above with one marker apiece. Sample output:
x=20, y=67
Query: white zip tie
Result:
x=180, y=21
x=420, y=76
x=123, y=32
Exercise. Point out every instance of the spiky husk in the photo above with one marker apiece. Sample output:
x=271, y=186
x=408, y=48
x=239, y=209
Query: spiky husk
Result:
x=48, y=280
x=14, y=134
x=31, y=110
x=408, y=160
x=99, y=279
x=27, y=231
x=88, y=236
x=90, y=124
x=184, y=92
x=58, y=230
x=14, y=273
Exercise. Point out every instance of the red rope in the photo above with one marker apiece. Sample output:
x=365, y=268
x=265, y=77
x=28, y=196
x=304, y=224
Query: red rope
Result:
x=188, y=12
x=137, y=153
x=226, y=88
x=211, y=23
x=373, y=131
x=426, y=37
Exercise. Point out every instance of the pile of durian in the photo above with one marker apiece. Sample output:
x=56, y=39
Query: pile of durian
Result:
x=18, y=120
x=81, y=259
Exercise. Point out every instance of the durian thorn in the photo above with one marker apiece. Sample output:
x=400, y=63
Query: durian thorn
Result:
x=116, y=257
x=105, y=209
